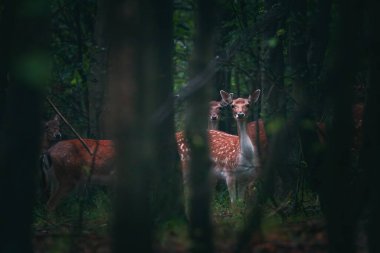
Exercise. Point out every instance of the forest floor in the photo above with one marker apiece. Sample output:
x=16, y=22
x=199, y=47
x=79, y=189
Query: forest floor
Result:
x=304, y=232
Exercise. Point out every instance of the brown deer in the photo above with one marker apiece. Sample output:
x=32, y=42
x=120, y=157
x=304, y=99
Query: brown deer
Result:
x=51, y=133
x=71, y=165
x=258, y=137
x=234, y=158
x=214, y=114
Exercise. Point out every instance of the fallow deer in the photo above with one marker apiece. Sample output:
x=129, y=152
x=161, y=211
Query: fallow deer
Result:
x=258, y=136
x=214, y=114
x=71, y=165
x=234, y=158
x=51, y=133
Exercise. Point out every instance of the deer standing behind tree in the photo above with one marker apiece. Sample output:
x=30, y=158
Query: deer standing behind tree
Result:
x=70, y=165
x=51, y=135
x=234, y=158
x=214, y=114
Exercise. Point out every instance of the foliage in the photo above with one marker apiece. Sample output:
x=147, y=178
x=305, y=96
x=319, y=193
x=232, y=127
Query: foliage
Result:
x=306, y=36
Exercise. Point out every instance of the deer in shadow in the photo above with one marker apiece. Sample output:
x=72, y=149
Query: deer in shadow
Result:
x=235, y=159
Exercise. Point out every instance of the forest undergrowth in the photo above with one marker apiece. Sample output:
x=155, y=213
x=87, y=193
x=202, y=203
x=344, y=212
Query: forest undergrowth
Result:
x=283, y=229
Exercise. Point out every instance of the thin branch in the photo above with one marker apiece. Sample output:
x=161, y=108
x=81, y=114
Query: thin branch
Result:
x=70, y=126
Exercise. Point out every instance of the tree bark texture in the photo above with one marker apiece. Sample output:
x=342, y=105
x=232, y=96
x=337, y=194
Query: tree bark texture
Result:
x=196, y=125
x=337, y=191
x=98, y=74
x=26, y=63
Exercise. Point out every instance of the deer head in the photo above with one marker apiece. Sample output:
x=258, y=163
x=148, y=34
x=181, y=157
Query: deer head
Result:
x=240, y=106
x=51, y=132
x=214, y=114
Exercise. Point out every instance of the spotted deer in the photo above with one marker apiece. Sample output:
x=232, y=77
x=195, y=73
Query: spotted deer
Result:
x=70, y=166
x=234, y=158
x=215, y=108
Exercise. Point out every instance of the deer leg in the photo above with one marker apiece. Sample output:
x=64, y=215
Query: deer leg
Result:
x=231, y=185
x=60, y=192
x=243, y=183
x=241, y=188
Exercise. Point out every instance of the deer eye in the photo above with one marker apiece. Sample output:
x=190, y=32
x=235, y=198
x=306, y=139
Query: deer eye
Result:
x=233, y=106
x=248, y=105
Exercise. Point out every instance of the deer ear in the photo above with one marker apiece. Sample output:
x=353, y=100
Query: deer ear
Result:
x=57, y=118
x=254, y=96
x=226, y=97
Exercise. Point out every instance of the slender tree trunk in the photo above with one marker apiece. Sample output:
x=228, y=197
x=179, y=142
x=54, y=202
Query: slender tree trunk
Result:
x=319, y=37
x=97, y=78
x=167, y=192
x=272, y=71
x=273, y=106
x=133, y=79
x=199, y=199
x=298, y=72
x=297, y=50
x=371, y=126
x=24, y=41
x=337, y=192
x=308, y=89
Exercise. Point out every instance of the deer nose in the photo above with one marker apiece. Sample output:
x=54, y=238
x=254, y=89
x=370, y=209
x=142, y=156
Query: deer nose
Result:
x=214, y=117
x=58, y=136
x=240, y=115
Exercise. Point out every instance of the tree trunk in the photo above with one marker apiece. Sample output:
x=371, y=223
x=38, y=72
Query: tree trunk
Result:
x=319, y=37
x=337, y=191
x=167, y=193
x=133, y=79
x=199, y=195
x=371, y=126
x=97, y=78
x=297, y=59
x=272, y=71
x=273, y=106
x=24, y=41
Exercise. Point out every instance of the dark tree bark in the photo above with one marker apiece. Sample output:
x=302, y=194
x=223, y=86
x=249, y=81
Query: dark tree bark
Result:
x=273, y=101
x=223, y=75
x=98, y=74
x=272, y=70
x=23, y=75
x=140, y=78
x=167, y=190
x=297, y=65
x=297, y=50
x=319, y=37
x=337, y=190
x=307, y=85
x=196, y=125
x=133, y=78
x=371, y=126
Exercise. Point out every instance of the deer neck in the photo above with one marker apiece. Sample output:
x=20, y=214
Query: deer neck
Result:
x=247, y=156
x=45, y=144
x=212, y=125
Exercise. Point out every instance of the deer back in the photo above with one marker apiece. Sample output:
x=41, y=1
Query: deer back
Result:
x=70, y=160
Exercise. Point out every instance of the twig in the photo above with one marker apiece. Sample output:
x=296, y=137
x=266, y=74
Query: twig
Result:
x=70, y=126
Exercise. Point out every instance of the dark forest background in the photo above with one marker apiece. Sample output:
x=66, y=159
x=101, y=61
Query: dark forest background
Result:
x=137, y=72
